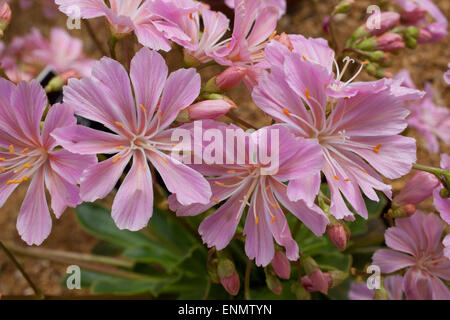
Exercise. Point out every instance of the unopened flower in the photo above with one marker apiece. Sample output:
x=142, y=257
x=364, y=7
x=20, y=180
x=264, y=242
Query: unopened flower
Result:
x=256, y=185
x=207, y=109
x=281, y=265
x=229, y=278
x=387, y=20
x=151, y=20
x=338, y=235
x=230, y=78
x=30, y=153
x=5, y=17
x=358, y=125
x=416, y=245
x=140, y=132
x=417, y=189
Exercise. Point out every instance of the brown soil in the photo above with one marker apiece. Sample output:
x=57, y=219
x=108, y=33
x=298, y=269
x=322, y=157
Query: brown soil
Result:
x=427, y=63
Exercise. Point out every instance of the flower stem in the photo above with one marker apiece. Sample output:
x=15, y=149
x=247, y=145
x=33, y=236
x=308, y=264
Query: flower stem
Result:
x=94, y=37
x=240, y=121
x=248, y=269
x=441, y=174
x=36, y=290
x=112, y=46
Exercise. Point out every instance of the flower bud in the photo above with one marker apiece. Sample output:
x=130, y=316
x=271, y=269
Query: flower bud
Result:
x=338, y=235
x=413, y=16
x=432, y=33
x=390, y=42
x=208, y=109
x=300, y=292
x=343, y=7
x=5, y=18
x=368, y=44
x=228, y=276
x=281, y=265
x=231, y=77
x=401, y=212
x=317, y=281
x=273, y=283
x=417, y=189
x=388, y=20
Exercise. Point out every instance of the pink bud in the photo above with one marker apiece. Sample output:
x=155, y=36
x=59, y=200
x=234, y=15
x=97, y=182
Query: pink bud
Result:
x=209, y=109
x=390, y=42
x=231, y=77
x=413, y=16
x=338, y=236
x=326, y=25
x=417, y=189
x=317, y=281
x=5, y=13
x=409, y=209
x=284, y=40
x=69, y=74
x=388, y=20
x=231, y=284
x=433, y=32
x=281, y=265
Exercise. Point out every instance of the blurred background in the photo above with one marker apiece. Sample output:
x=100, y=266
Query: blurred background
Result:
x=426, y=63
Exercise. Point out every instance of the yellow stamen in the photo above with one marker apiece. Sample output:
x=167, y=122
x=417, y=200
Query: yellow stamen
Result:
x=308, y=96
x=215, y=200
x=336, y=177
x=165, y=160
x=217, y=15
x=304, y=58
x=2, y=159
x=205, y=31
x=120, y=148
x=365, y=62
x=25, y=150
x=286, y=112
x=346, y=180
x=27, y=165
x=376, y=149
x=159, y=115
x=11, y=149
x=365, y=171
x=25, y=178
x=256, y=220
x=273, y=219
x=120, y=124
x=116, y=158
x=142, y=108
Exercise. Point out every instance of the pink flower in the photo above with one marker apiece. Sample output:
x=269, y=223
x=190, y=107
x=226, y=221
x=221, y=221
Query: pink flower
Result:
x=140, y=131
x=393, y=285
x=279, y=4
x=358, y=125
x=62, y=53
x=27, y=152
x=431, y=121
x=255, y=186
x=151, y=20
x=202, y=41
x=416, y=245
x=253, y=25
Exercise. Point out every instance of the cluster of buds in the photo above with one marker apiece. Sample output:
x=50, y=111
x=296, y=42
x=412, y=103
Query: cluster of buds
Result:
x=388, y=32
x=318, y=281
x=222, y=270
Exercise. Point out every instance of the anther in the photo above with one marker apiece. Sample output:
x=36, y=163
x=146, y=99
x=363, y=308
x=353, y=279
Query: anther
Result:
x=286, y=112
x=377, y=148
x=142, y=108
x=11, y=149
x=215, y=200
x=120, y=124
x=308, y=96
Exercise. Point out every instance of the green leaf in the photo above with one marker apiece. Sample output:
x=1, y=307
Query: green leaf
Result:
x=153, y=285
x=338, y=261
x=97, y=220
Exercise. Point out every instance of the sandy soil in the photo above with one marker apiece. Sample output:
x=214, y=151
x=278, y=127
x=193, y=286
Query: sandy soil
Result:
x=427, y=63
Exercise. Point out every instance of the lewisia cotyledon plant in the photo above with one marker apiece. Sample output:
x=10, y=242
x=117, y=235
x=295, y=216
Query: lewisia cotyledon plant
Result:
x=29, y=153
x=241, y=185
x=416, y=245
x=140, y=131
x=358, y=125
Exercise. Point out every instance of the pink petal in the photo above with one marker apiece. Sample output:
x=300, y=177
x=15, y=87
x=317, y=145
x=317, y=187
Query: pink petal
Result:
x=100, y=179
x=133, y=204
x=34, y=222
x=64, y=194
x=390, y=261
x=59, y=116
x=305, y=189
x=84, y=140
x=69, y=165
x=265, y=24
x=86, y=9
x=177, y=176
